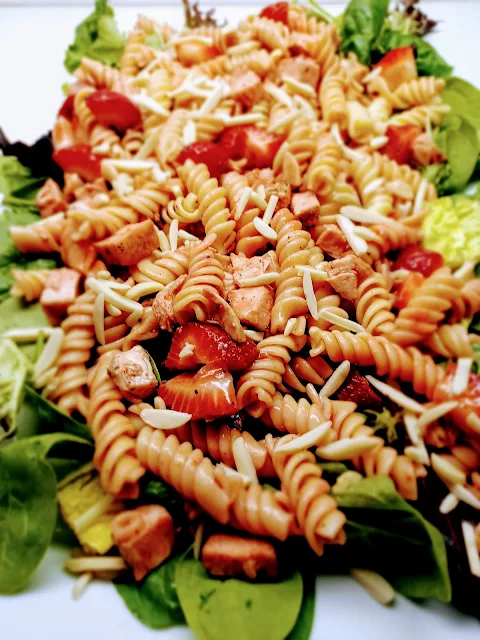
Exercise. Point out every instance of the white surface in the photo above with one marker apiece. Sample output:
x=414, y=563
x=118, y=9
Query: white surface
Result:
x=32, y=44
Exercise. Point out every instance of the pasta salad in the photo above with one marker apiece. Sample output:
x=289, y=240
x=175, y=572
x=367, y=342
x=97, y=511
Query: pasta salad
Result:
x=240, y=318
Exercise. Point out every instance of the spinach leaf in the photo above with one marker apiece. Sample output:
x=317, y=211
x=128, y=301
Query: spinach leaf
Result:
x=388, y=535
x=154, y=601
x=304, y=624
x=213, y=608
x=14, y=368
x=362, y=23
x=457, y=138
x=28, y=514
x=97, y=37
x=476, y=358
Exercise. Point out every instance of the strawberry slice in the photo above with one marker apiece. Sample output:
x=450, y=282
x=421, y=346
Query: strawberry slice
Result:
x=400, y=143
x=233, y=141
x=468, y=401
x=210, y=153
x=66, y=110
x=398, y=66
x=209, y=344
x=407, y=289
x=356, y=388
x=113, y=109
x=79, y=159
x=207, y=394
x=277, y=11
x=418, y=259
x=261, y=147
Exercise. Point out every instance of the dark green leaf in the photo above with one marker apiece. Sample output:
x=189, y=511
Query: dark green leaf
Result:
x=154, y=601
x=379, y=521
x=304, y=624
x=97, y=37
x=215, y=609
x=28, y=513
x=331, y=470
x=154, y=367
x=14, y=368
x=362, y=23
x=154, y=40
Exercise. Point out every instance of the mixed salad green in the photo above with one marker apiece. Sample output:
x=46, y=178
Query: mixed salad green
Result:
x=42, y=447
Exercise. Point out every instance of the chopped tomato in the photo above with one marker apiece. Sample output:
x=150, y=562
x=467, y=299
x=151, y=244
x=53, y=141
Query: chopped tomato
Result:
x=207, y=394
x=210, y=153
x=79, y=159
x=356, y=388
x=416, y=258
x=261, y=147
x=113, y=109
x=398, y=66
x=468, y=402
x=209, y=344
x=66, y=110
x=408, y=288
x=400, y=143
x=277, y=11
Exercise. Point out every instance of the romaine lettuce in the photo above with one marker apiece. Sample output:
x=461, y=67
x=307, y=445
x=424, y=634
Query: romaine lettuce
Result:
x=14, y=368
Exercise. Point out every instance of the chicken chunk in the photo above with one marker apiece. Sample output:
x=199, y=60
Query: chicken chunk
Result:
x=245, y=86
x=301, y=69
x=332, y=241
x=346, y=274
x=278, y=188
x=163, y=304
x=144, y=536
x=133, y=374
x=59, y=293
x=228, y=555
x=259, y=176
x=244, y=267
x=306, y=206
x=253, y=305
x=129, y=245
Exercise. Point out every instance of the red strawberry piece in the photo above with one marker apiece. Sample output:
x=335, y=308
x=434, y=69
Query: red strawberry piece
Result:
x=79, y=159
x=407, y=289
x=113, y=109
x=356, y=388
x=66, y=110
x=210, y=153
x=418, y=259
x=400, y=143
x=398, y=66
x=277, y=11
x=261, y=146
x=210, y=344
x=207, y=394
x=233, y=141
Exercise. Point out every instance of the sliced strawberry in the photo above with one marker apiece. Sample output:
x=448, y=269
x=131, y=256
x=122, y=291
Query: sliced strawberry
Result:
x=66, y=110
x=233, y=141
x=400, y=143
x=210, y=344
x=407, y=289
x=207, y=394
x=468, y=402
x=418, y=259
x=398, y=66
x=210, y=153
x=113, y=109
x=261, y=147
x=79, y=159
x=277, y=11
x=356, y=388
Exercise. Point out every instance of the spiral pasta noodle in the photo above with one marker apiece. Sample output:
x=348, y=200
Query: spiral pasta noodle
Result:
x=29, y=284
x=373, y=306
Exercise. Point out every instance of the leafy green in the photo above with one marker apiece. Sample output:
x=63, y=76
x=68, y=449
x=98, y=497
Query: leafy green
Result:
x=14, y=368
x=464, y=99
x=379, y=520
x=409, y=19
x=154, y=40
x=15, y=314
x=154, y=367
x=154, y=601
x=331, y=470
x=97, y=37
x=476, y=358
x=362, y=23
x=318, y=12
x=28, y=514
x=304, y=624
x=384, y=420
x=215, y=608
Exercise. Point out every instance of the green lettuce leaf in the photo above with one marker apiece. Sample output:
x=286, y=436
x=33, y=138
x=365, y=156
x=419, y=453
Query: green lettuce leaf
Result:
x=216, y=609
x=362, y=23
x=379, y=520
x=304, y=624
x=14, y=368
x=98, y=38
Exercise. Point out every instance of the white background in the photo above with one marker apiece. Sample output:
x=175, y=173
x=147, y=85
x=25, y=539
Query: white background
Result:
x=32, y=44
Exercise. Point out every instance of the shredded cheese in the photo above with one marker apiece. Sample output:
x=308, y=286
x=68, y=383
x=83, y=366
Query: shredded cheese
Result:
x=434, y=414
x=50, y=352
x=301, y=88
x=256, y=336
x=340, y=321
x=258, y=200
x=95, y=563
x=279, y=94
x=121, y=302
x=316, y=274
x=375, y=585
x=372, y=75
x=473, y=556
x=420, y=197
x=150, y=104
x=374, y=185
x=463, y=494
x=256, y=281
x=81, y=584
x=348, y=448
x=235, y=121
x=235, y=474
x=418, y=453
x=446, y=471
x=270, y=210
x=400, y=188
x=364, y=216
x=462, y=374
x=358, y=245
x=283, y=123
x=188, y=350
x=242, y=203
x=216, y=96
x=243, y=48
x=397, y=396
x=448, y=504
x=465, y=271
x=305, y=441
x=310, y=294
x=290, y=326
x=143, y=289
x=336, y=380
x=243, y=460
x=264, y=229
x=26, y=335
x=473, y=422
x=378, y=142
x=130, y=165
x=411, y=426
x=193, y=38
x=164, y=418
x=173, y=235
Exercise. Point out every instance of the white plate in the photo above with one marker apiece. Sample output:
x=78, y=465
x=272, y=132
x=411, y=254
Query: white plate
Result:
x=32, y=44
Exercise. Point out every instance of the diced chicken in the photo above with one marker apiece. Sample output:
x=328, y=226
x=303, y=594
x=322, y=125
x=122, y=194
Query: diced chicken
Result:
x=332, y=241
x=301, y=69
x=346, y=274
x=245, y=86
x=132, y=243
x=426, y=152
x=59, y=293
x=144, y=536
x=259, y=176
x=163, y=304
x=244, y=267
x=306, y=206
x=278, y=188
x=253, y=305
x=133, y=374
x=228, y=555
